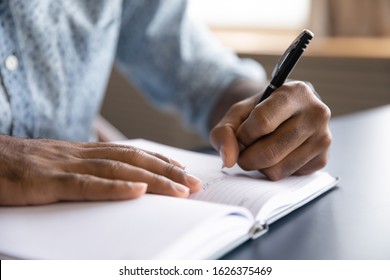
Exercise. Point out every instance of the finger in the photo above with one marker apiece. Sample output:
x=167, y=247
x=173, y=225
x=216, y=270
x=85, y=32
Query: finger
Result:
x=223, y=139
x=142, y=159
x=267, y=116
x=14, y=193
x=273, y=148
x=91, y=149
x=157, y=183
x=313, y=165
x=307, y=158
x=77, y=187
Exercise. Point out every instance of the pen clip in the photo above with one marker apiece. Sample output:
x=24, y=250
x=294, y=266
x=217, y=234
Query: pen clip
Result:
x=284, y=56
x=293, y=52
x=287, y=62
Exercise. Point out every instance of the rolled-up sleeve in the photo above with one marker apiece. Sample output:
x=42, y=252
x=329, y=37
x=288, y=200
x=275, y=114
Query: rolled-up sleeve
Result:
x=175, y=61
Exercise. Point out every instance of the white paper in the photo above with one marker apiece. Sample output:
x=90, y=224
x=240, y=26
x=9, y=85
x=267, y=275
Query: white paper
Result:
x=136, y=229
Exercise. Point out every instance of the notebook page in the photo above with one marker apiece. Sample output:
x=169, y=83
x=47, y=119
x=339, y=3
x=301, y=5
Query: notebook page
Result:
x=133, y=229
x=251, y=191
x=233, y=186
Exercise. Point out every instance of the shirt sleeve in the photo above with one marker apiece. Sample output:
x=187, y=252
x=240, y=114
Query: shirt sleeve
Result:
x=175, y=61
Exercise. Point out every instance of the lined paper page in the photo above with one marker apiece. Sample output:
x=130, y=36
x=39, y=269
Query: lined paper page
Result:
x=237, y=187
x=250, y=192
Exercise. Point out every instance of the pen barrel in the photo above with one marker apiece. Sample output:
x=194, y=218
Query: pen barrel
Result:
x=287, y=62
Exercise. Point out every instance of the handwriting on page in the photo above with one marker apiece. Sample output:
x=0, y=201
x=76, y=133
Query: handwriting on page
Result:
x=235, y=191
x=241, y=189
x=212, y=182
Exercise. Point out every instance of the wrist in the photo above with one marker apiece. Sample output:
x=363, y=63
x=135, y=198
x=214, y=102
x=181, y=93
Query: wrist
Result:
x=239, y=89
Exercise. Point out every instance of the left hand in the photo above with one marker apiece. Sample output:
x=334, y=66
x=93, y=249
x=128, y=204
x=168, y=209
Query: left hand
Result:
x=285, y=134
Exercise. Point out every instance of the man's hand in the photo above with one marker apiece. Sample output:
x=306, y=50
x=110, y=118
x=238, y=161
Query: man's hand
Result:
x=35, y=171
x=285, y=134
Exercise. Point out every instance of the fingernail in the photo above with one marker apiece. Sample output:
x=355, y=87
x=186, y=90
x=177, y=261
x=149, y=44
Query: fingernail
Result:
x=181, y=188
x=192, y=180
x=222, y=154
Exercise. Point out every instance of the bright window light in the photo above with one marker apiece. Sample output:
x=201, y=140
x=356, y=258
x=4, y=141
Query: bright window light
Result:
x=263, y=14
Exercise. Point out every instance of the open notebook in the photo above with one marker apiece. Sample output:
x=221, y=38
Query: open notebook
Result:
x=232, y=207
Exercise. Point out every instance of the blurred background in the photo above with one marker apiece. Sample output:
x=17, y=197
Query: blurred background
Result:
x=348, y=62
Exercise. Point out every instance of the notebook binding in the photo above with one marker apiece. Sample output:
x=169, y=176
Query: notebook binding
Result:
x=258, y=229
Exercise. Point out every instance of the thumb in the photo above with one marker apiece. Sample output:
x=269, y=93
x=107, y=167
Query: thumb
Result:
x=223, y=139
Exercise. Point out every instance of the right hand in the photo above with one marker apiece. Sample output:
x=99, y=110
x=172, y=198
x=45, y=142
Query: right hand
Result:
x=288, y=133
x=39, y=171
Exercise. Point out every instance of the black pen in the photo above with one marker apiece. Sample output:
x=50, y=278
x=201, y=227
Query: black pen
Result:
x=287, y=62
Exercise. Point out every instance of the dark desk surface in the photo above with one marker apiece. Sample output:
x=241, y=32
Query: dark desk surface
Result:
x=351, y=221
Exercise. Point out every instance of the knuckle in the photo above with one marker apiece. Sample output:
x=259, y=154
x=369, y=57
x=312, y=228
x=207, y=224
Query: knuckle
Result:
x=322, y=112
x=88, y=187
x=112, y=165
x=326, y=140
x=264, y=123
x=157, y=179
x=171, y=171
x=107, y=168
x=161, y=184
x=162, y=157
x=246, y=137
x=135, y=154
x=322, y=161
x=82, y=185
x=302, y=87
x=284, y=96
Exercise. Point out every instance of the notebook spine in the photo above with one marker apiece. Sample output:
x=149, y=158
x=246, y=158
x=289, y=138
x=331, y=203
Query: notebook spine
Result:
x=258, y=229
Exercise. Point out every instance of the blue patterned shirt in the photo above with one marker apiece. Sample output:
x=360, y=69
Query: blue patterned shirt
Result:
x=56, y=58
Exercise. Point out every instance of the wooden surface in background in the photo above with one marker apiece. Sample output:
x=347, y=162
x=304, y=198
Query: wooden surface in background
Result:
x=349, y=74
